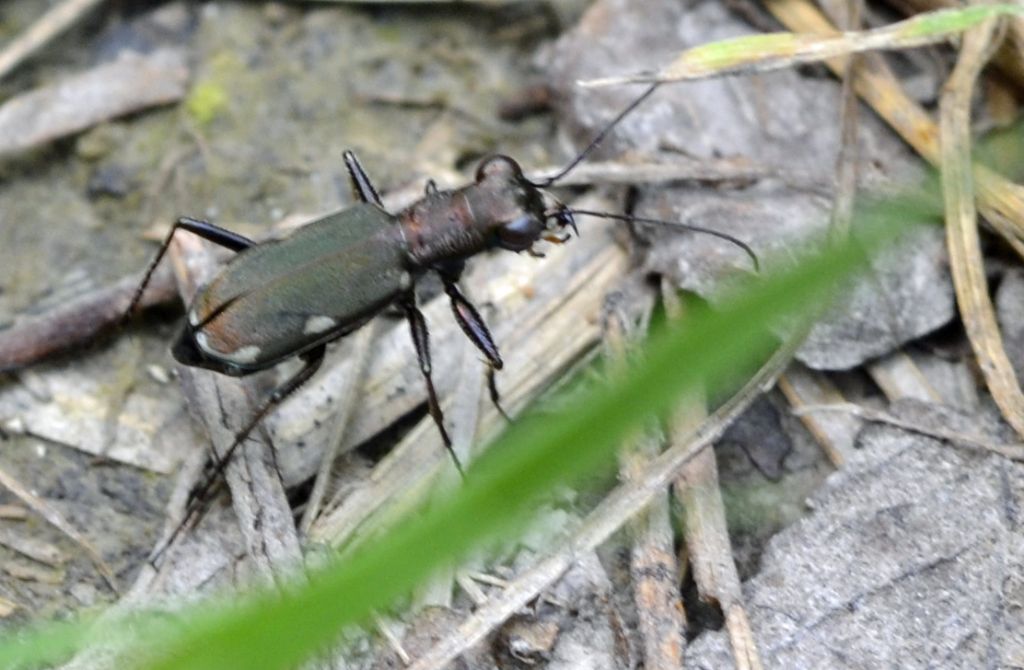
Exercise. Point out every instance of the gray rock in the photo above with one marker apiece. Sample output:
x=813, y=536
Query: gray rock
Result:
x=913, y=558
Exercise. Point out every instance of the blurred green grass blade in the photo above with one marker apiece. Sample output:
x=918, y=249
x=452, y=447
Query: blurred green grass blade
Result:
x=270, y=630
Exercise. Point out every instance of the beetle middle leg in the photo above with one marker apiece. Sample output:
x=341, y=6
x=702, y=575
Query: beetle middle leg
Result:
x=421, y=340
x=219, y=236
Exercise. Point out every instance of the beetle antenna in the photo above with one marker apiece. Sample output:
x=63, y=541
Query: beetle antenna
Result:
x=678, y=224
x=598, y=139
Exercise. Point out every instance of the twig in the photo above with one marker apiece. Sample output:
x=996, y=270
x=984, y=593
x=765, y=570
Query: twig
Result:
x=51, y=24
x=654, y=570
x=704, y=527
x=1011, y=451
x=848, y=158
x=57, y=520
x=617, y=508
x=77, y=321
x=899, y=377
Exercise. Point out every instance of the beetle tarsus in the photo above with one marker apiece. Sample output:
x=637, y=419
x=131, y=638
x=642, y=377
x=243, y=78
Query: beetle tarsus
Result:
x=362, y=187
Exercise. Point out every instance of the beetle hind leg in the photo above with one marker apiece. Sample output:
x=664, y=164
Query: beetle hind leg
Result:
x=201, y=494
x=219, y=236
x=361, y=184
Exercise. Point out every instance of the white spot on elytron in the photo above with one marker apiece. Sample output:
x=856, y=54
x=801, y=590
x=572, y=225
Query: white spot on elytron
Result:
x=405, y=281
x=247, y=354
x=318, y=324
x=193, y=317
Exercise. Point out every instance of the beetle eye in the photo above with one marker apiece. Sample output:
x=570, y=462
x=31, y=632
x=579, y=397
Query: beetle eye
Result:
x=520, y=233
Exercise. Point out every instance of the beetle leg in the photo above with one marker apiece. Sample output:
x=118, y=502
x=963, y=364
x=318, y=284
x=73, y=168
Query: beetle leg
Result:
x=431, y=188
x=421, y=339
x=219, y=236
x=198, y=497
x=473, y=326
x=361, y=185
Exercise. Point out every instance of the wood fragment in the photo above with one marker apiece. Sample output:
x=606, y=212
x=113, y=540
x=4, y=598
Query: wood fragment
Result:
x=347, y=404
x=58, y=19
x=13, y=513
x=7, y=607
x=77, y=321
x=615, y=510
x=704, y=526
x=653, y=567
x=962, y=237
x=29, y=572
x=835, y=433
x=223, y=406
x=899, y=377
x=849, y=153
x=129, y=84
x=57, y=520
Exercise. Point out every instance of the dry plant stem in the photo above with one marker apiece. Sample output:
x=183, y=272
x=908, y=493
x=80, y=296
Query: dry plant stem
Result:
x=1009, y=57
x=704, y=525
x=616, y=509
x=362, y=343
x=77, y=321
x=48, y=26
x=847, y=161
x=899, y=377
x=835, y=433
x=653, y=568
x=966, y=261
x=223, y=407
x=57, y=520
x=1000, y=201
x=1011, y=451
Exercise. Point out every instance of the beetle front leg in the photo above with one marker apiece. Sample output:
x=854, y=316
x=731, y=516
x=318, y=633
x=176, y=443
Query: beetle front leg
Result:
x=473, y=326
x=361, y=184
x=421, y=340
x=219, y=236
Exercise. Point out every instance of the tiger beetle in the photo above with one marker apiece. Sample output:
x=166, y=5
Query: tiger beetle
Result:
x=292, y=297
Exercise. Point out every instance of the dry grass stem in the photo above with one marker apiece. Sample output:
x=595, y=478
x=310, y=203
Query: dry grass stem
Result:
x=1000, y=201
x=966, y=261
x=1011, y=451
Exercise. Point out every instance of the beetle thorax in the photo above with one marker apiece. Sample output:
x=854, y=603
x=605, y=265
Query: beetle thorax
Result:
x=500, y=209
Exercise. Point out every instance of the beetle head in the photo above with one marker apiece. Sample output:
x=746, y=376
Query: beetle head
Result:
x=519, y=215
